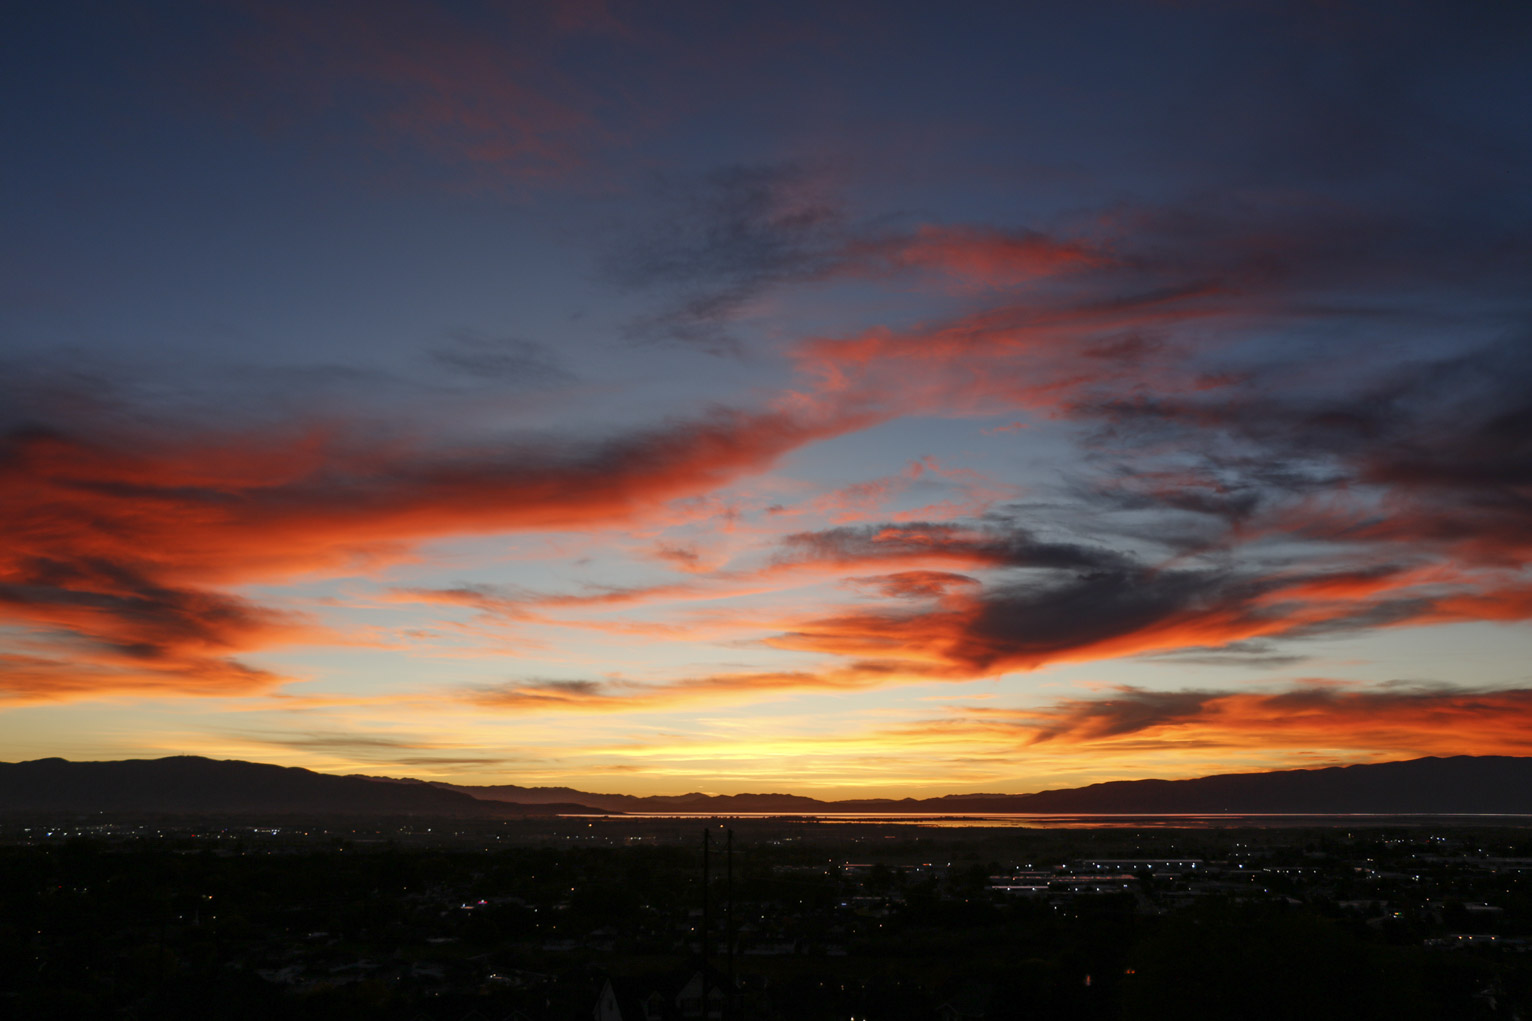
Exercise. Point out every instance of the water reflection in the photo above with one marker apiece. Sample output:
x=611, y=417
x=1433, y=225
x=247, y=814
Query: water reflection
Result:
x=1048, y=820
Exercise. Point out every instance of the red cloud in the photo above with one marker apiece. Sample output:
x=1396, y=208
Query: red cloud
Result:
x=980, y=257
x=626, y=696
x=1415, y=721
x=918, y=584
x=116, y=549
x=951, y=627
x=481, y=95
x=1116, y=611
x=1023, y=355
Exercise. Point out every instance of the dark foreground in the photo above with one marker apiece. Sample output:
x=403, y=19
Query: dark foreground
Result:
x=572, y=919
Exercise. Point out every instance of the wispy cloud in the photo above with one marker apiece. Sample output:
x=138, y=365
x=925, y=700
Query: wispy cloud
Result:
x=722, y=244
x=120, y=545
x=513, y=360
x=1402, y=719
x=374, y=750
x=478, y=94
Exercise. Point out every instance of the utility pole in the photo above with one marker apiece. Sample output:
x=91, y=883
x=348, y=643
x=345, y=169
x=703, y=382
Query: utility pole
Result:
x=707, y=837
x=728, y=924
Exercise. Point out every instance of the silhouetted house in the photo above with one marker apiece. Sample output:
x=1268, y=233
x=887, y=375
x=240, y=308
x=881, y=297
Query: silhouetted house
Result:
x=675, y=996
x=690, y=997
x=629, y=999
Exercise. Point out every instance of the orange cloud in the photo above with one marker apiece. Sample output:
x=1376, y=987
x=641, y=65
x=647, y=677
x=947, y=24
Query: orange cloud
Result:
x=628, y=696
x=1038, y=603
x=1398, y=721
x=1118, y=609
x=918, y=584
x=118, y=547
x=91, y=674
x=1031, y=355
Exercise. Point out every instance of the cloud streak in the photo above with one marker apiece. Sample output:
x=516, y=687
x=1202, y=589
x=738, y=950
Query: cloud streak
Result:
x=119, y=547
x=1397, y=720
x=745, y=231
x=473, y=92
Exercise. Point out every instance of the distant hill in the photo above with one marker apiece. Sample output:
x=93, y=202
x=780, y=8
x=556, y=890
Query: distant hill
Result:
x=1463, y=784
x=655, y=803
x=193, y=785
x=188, y=784
x=1489, y=784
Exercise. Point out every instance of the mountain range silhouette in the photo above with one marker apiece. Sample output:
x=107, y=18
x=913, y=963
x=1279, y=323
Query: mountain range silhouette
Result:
x=1458, y=785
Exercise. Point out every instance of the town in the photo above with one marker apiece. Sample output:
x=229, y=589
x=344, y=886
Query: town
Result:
x=759, y=918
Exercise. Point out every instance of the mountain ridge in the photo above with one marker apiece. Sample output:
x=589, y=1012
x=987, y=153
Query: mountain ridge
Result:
x=1454, y=785
x=194, y=785
x=1462, y=784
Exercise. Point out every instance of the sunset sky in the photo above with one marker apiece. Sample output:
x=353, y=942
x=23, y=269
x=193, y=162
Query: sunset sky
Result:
x=852, y=399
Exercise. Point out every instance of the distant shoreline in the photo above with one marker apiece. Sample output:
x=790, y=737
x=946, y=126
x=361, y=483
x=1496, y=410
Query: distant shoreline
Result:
x=1097, y=820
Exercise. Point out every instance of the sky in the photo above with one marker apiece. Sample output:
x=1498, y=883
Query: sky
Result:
x=853, y=399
